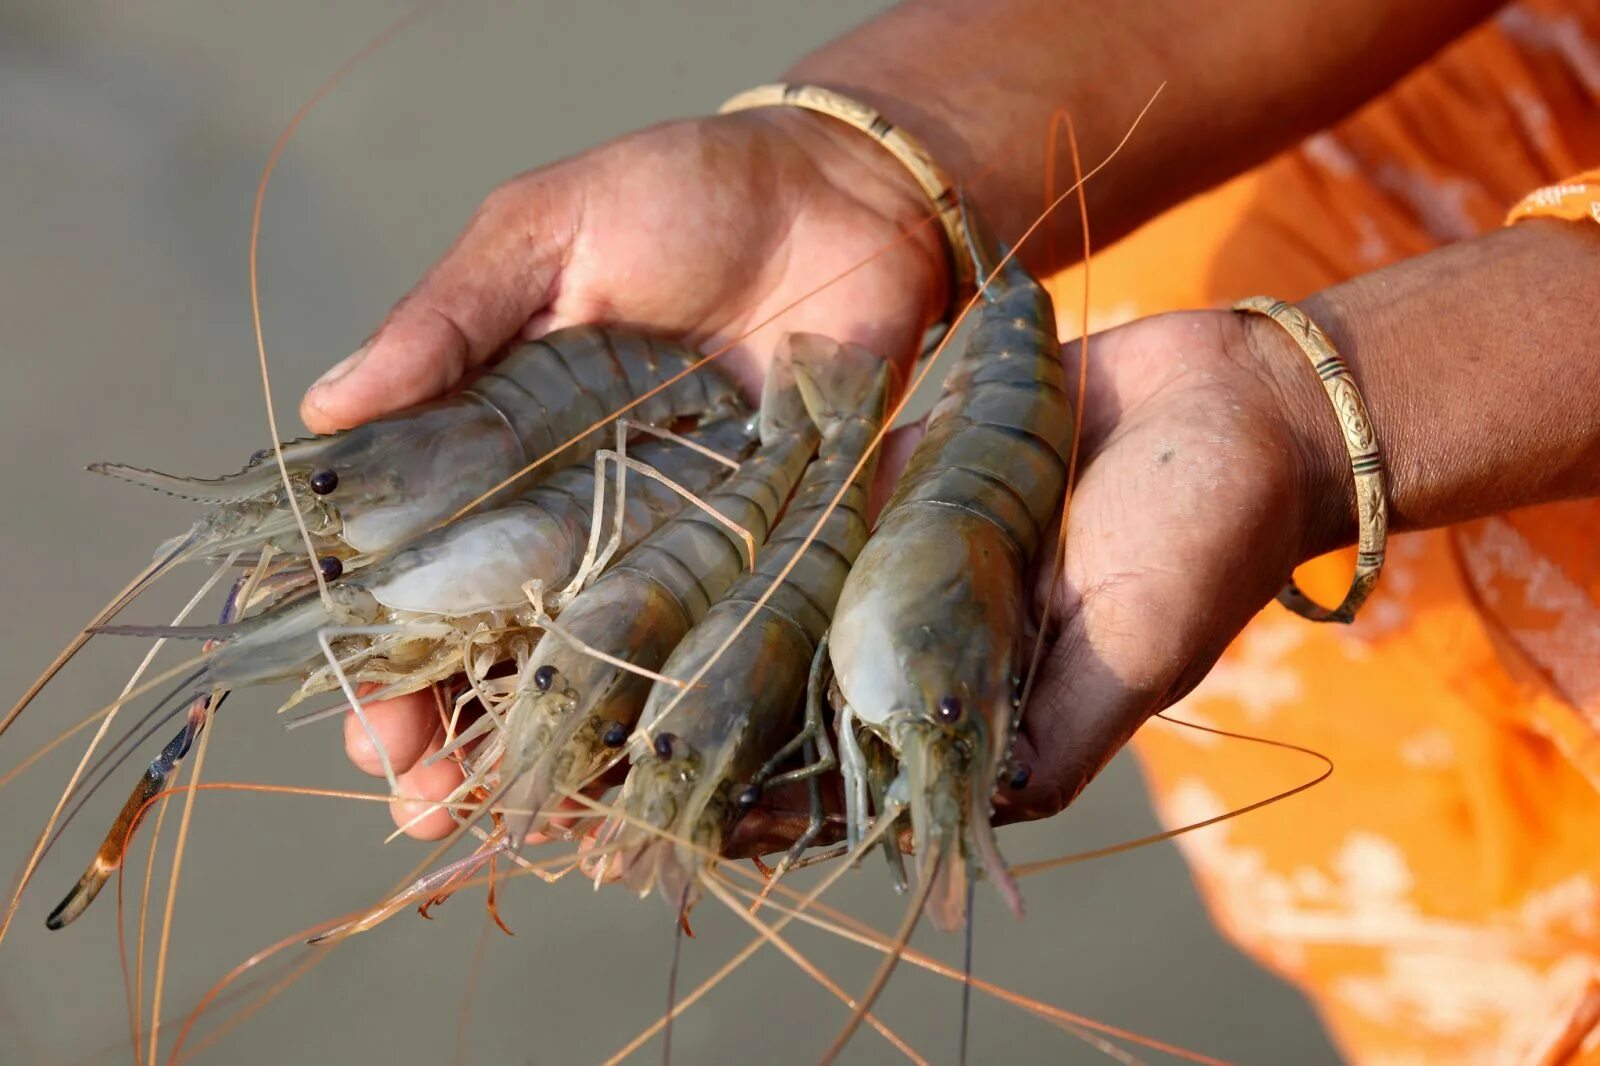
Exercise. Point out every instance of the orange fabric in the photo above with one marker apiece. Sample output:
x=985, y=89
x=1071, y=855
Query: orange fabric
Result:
x=1574, y=198
x=1438, y=899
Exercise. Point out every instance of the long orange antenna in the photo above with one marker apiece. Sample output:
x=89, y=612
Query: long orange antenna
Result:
x=372, y=46
x=1058, y=557
x=722, y=892
x=1027, y=869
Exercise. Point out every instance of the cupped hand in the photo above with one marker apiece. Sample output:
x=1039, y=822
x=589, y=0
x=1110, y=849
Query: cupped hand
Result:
x=1210, y=469
x=701, y=230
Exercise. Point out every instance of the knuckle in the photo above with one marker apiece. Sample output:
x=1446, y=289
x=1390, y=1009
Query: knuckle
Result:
x=502, y=203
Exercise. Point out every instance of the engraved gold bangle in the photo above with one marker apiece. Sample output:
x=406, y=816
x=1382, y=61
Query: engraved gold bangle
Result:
x=911, y=154
x=1366, y=460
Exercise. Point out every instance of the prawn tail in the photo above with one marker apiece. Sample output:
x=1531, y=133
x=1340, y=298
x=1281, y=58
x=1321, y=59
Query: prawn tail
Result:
x=782, y=411
x=839, y=382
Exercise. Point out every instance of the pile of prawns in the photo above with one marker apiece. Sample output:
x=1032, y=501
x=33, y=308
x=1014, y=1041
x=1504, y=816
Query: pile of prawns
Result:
x=633, y=575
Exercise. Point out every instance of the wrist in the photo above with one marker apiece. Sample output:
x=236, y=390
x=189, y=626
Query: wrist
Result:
x=1314, y=442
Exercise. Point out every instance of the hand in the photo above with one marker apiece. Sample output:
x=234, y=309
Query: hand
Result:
x=700, y=229
x=1211, y=467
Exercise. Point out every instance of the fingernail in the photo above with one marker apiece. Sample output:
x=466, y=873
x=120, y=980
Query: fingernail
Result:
x=343, y=366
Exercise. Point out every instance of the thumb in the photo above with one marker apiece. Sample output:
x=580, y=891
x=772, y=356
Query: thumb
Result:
x=501, y=271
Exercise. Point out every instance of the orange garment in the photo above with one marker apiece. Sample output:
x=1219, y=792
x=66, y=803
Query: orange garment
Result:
x=1438, y=899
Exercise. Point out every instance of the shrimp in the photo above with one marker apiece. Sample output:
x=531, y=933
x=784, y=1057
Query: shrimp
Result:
x=703, y=754
x=926, y=646
x=450, y=601
x=573, y=707
x=365, y=491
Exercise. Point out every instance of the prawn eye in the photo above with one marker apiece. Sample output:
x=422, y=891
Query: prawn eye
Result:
x=544, y=677
x=260, y=455
x=615, y=736
x=664, y=745
x=331, y=568
x=948, y=710
x=748, y=797
x=324, y=482
x=1020, y=777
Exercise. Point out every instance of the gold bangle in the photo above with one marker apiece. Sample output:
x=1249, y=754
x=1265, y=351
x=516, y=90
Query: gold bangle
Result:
x=1366, y=460
x=900, y=144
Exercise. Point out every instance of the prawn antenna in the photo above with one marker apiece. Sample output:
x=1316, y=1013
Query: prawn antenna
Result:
x=113, y=850
x=672, y=974
x=966, y=970
x=143, y=580
x=940, y=851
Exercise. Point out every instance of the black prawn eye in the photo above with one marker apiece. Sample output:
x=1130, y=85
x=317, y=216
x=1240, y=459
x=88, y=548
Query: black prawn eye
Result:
x=544, y=677
x=948, y=710
x=1020, y=777
x=331, y=568
x=260, y=455
x=748, y=797
x=615, y=736
x=324, y=482
x=664, y=745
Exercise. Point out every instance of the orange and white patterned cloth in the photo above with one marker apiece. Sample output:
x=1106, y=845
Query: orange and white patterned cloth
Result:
x=1576, y=198
x=1438, y=899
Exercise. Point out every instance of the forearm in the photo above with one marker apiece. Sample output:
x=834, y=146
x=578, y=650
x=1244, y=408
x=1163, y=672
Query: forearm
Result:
x=1477, y=363
x=979, y=83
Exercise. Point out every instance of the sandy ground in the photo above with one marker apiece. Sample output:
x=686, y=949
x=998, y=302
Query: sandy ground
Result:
x=130, y=138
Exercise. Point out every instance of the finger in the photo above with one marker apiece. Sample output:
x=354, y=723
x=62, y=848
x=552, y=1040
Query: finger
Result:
x=896, y=448
x=424, y=785
x=403, y=725
x=500, y=272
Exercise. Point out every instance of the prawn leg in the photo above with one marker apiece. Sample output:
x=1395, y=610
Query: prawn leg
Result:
x=619, y=456
x=596, y=559
x=819, y=759
x=325, y=638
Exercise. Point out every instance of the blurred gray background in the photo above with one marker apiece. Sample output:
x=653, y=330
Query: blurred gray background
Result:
x=131, y=136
